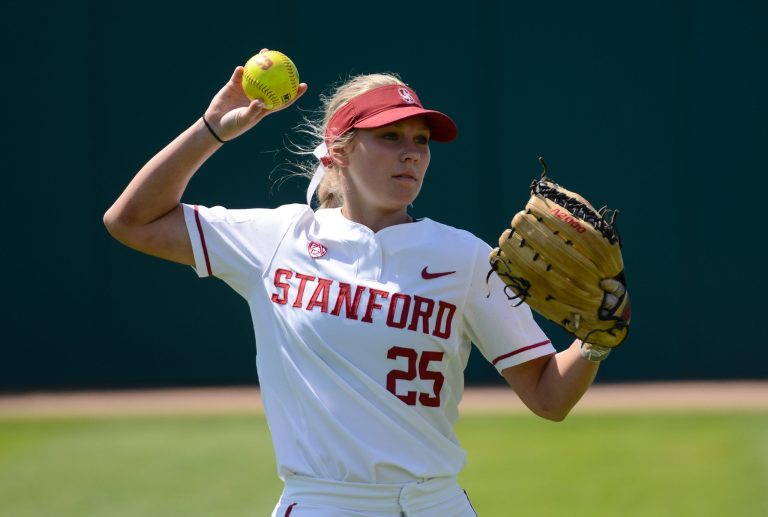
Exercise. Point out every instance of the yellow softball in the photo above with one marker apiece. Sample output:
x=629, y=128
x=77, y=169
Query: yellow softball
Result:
x=271, y=76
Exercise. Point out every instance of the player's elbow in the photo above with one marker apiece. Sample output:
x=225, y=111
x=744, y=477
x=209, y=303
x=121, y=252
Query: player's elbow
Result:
x=114, y=223
x=554, y=417
x=121, y=226
x=108, y=219
x=551, y=413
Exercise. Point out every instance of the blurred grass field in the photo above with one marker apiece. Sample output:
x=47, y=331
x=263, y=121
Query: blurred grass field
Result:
x=596, y=464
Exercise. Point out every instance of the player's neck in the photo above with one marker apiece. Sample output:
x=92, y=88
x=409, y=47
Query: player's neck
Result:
x=374, y=219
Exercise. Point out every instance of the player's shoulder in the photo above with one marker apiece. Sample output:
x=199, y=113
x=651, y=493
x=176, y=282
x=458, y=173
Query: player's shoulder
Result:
x=287, y=212
x=452, y=236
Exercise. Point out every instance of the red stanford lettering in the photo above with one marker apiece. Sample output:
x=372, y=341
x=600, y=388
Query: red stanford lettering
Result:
x=400, y=310
x=282, y=298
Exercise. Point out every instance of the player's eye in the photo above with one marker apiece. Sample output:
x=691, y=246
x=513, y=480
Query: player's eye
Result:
x=390, y=135
x=422, y=139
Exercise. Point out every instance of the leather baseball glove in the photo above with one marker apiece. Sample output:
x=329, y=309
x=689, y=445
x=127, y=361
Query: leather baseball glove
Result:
x=563, y=258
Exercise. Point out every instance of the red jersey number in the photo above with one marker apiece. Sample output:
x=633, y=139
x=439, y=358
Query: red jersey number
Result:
x=417, y=368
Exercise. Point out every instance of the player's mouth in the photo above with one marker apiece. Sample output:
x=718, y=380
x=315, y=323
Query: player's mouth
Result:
x=406, y=177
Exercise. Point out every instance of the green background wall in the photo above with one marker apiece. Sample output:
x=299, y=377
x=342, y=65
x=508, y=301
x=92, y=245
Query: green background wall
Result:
x=657, y=108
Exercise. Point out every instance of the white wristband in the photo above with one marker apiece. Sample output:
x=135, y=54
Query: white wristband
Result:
x=594, y=353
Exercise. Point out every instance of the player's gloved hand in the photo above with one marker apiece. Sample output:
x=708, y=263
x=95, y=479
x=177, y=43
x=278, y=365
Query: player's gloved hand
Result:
x=231, y=113
x=563, y=258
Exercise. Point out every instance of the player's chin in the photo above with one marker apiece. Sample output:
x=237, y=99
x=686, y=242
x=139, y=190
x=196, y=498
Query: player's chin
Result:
x=405, y=193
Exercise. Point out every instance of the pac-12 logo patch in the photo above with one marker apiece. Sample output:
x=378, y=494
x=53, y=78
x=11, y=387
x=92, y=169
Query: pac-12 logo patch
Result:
x=406, y=96
x=316, y=250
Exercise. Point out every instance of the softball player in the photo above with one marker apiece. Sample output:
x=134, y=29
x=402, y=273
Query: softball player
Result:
x=363, y=316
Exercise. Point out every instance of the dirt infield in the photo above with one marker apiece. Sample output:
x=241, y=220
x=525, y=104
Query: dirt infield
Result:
x=696, y=396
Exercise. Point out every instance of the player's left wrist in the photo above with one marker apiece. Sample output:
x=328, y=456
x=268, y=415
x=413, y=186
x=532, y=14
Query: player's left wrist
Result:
x=593, y=353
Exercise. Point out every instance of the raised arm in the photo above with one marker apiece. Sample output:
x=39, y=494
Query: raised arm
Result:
x=147, y=216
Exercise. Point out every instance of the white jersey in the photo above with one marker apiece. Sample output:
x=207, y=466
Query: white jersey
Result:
x=362, y=338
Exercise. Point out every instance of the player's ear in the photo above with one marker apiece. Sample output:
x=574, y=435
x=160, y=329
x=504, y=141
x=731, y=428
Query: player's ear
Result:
x=339, y=156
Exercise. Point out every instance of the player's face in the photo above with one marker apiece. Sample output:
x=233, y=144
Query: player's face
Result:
x=386, y=165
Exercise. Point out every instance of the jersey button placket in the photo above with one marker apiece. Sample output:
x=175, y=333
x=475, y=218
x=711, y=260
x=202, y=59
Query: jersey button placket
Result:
x=370, y=257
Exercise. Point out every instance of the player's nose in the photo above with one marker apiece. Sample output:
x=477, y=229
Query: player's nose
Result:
x=412, y=152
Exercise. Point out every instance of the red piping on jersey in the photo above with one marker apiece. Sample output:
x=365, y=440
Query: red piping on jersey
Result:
x=202, y=241
x=520, y=350
x=290, y=509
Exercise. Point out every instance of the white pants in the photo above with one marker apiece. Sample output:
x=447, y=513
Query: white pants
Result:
x=309, y=497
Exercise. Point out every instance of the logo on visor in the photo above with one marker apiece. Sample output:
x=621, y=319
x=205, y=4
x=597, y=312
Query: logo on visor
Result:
x=406, y=95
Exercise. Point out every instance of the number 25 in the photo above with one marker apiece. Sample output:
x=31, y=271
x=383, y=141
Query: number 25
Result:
x=427, y=356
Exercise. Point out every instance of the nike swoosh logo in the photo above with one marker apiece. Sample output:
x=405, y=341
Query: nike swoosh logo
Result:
x=426, y=275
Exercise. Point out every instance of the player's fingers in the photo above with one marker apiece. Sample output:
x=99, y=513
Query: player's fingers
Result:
x=612, y=286
x=255, y=107
x=299, y=92
x=232, y=94
x=614, y=290
x=239, y=120
x=237, y=74
x=251, y=115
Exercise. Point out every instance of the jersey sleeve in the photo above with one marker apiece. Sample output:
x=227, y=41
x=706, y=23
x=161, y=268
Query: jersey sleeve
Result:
x=236, y=245
x=506, y=335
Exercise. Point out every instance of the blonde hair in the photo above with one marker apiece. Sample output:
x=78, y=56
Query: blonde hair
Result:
x=329, y=192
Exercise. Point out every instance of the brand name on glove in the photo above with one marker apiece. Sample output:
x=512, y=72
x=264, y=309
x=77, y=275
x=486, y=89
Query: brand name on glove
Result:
x=568, y=219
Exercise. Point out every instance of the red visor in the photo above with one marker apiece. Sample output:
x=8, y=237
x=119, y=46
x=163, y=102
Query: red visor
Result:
x=385, y=105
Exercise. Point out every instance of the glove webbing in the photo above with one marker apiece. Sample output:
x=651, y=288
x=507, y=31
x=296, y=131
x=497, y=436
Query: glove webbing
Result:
x=597, y=219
